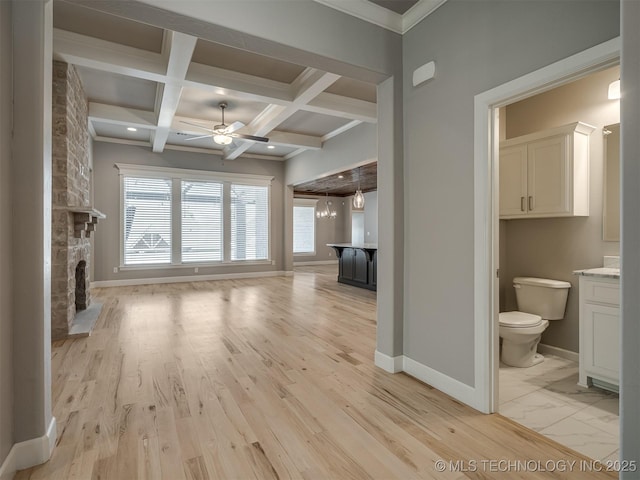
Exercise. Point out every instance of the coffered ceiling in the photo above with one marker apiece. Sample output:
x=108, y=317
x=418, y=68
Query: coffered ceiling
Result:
x=151, y=79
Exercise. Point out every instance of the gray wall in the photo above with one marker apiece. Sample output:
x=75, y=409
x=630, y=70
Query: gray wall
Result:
x=630, y=121
x=107, y=200
x=476, y=46
x=371, y=217
x=328, y=231
x=354, y=147
x=6, y=291
x=555, y=247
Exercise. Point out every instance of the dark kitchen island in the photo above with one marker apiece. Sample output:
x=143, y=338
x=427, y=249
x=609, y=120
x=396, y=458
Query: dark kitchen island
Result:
x=358, y=264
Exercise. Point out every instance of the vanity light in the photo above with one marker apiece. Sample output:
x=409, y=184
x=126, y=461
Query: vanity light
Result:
x=614, y=90
x=132, y=129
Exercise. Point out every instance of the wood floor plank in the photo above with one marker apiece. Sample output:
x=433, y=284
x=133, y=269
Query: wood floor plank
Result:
x=266, y=378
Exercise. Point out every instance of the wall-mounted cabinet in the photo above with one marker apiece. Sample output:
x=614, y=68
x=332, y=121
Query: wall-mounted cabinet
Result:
x=546, y=174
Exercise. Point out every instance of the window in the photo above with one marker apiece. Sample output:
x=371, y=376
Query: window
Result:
x=249, y=222
x=176, y=217
x=304, y=227
x=147, y=220
x=201, y=221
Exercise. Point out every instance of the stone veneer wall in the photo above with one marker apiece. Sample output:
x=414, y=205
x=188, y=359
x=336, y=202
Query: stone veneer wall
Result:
x=71, y=188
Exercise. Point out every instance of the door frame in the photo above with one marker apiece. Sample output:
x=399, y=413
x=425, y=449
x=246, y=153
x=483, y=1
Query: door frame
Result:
x=486, y=221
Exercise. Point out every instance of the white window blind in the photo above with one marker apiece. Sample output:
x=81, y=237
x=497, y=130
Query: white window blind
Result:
x=304, y=229
x=249, y=222
x=147, y=225
x=201, y=221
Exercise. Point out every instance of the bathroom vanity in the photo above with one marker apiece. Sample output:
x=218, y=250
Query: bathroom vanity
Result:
x=599, y=328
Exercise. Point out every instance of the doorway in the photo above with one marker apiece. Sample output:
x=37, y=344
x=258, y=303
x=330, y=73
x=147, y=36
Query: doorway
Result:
x=486, y=226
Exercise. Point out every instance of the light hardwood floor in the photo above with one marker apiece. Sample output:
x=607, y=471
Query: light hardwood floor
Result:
x=261, y=378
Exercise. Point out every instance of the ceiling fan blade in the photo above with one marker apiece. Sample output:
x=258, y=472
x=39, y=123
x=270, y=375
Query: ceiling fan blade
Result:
x=249, y=137
x=197, y=138
x=198, y=125
x=234, y=126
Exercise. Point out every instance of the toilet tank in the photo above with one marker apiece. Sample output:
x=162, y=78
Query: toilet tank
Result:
x=542, y=296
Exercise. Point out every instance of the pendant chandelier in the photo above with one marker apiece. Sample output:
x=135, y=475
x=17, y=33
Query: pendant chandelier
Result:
x=326, y=212
x=358, y=198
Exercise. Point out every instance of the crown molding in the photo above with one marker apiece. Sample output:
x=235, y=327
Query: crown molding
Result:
x=369, y=12
x=372, y=13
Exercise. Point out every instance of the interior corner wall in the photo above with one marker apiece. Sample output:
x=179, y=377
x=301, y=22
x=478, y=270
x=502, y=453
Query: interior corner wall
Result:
x=476, y=46
x=630, y=254
x=555, y=247
x=107, y=200
x=31, y=227
x=6, y=243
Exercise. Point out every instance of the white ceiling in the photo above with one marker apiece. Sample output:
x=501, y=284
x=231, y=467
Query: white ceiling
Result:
x=141, y=76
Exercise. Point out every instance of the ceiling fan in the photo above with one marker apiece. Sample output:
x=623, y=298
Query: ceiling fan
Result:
x=224, y=134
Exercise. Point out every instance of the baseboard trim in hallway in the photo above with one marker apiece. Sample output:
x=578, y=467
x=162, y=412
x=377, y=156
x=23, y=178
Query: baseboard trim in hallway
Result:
x=29, y=453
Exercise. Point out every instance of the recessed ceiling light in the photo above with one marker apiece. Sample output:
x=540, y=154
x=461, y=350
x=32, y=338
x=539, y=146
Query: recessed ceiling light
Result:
x=132, y=129
x=271, y=147
x=340, y=176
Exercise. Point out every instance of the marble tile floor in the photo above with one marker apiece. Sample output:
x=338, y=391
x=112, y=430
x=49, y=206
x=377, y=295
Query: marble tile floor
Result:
x=547, y=399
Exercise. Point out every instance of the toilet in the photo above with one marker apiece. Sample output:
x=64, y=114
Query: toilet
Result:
x=539, y=301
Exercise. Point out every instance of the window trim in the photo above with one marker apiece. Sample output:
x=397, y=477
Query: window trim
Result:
x=176, y=176
x=308, y=202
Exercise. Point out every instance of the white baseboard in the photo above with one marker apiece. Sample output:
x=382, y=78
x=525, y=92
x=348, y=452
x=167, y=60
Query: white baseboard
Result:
x=387, y=363
x=452, y=387
x=315, y=262
x=189, y=278
x=29, y=453
x=558, y=352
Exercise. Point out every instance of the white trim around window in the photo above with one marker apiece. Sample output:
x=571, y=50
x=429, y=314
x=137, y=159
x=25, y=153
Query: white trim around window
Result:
x=178, y=177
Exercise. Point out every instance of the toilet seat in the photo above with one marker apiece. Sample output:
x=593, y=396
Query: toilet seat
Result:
x=519, y=320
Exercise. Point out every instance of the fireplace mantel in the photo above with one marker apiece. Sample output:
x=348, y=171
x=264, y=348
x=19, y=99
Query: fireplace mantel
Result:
x=85, y=219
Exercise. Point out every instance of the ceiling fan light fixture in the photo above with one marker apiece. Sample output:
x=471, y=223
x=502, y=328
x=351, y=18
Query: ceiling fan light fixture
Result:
x=222, y=139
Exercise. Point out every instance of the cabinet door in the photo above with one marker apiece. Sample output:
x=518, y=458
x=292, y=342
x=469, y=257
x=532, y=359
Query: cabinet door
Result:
x=361, y=267
x=513, y=180
x=602, y=342
x=347, y=263
x=548, y=173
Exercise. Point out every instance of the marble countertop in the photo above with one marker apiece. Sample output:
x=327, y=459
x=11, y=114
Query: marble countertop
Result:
x=371, y=246
x=603, y=272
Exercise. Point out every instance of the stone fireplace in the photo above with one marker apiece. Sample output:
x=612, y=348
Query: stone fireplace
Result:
x=73, y=218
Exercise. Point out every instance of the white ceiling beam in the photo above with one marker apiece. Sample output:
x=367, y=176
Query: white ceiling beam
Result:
x=294, y=153
x=180, y=50
x=294, y=140
x=369, y=12
x=308, y=85
x=343, y=107
x=108, y=56
x=339, y=130
x=112, y=57
x=130, y=117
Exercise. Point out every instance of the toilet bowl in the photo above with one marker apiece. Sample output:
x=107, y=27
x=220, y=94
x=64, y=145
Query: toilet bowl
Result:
x=521, y=334
x=539, y=301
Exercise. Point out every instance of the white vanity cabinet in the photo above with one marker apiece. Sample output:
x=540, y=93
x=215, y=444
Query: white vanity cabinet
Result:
x=546, y=174
x=599, y=331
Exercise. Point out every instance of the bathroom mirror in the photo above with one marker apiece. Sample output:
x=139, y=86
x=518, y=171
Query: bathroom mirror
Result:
x=611, y=194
